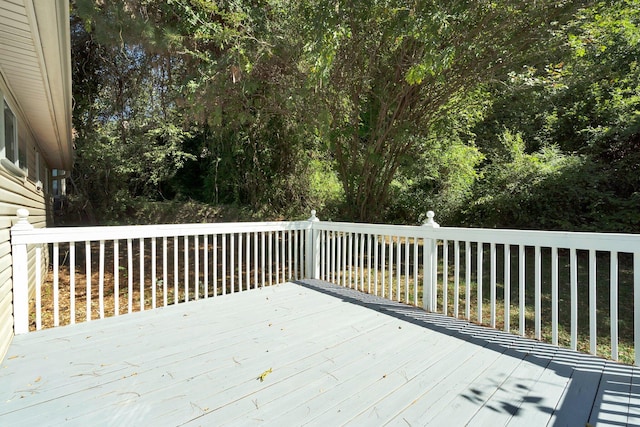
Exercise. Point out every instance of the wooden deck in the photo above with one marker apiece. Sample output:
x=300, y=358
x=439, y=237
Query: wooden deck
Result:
x=327, y=356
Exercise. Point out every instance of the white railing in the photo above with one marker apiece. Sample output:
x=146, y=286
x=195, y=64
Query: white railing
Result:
x=108, y=271
x=580, y=290
x=573, y=289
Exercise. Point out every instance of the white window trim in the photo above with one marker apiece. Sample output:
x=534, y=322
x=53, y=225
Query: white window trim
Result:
x=13, y=167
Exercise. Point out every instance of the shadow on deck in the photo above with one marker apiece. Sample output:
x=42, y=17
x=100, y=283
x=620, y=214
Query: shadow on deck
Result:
x=598, y=392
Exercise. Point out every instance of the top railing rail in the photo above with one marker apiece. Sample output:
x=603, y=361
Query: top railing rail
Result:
x=81, y=234
x=628, y=243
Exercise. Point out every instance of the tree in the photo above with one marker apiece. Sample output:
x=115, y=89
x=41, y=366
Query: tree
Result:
x=190, y=98
x=384, y=71
x=577, y=120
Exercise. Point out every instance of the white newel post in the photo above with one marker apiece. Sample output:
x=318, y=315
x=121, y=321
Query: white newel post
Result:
x=430, y=266
x=20, y=276
x=312, y=250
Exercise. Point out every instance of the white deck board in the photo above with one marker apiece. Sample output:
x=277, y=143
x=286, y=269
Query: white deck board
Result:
x=336, y=357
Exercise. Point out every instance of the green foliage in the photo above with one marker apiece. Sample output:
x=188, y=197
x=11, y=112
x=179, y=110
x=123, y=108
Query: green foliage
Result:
x=387, y=71
x=586, y=106
x=549, y=190
x=442, y=180
x=508, y=113
x=443, y=173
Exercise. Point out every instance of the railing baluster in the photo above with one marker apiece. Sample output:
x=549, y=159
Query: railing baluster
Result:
x=116, y=277
x=56, y=284
x=406, y=270
x=636, y=306
x=330, y=256
x=205, y=253
x=521, y=296
x=426, y=294
x=398, y=268
x=141, y=241
x=479, y=255
x=240, y=269
x=507, y=287
x=354, y=260
x=456, y=278
x=467, y=274
x=232, y=267
x=359, y=261
x=303, y=245
x=345, y=275
x=262, y=258
x=375, y=263
x=321, y=255
x=289, y=254
x=164, y=272
x=255, y=259
x=383, y=262
x=285, y=255
x=415, y=271
x=248, y=259
x=185, y=256
x=333, y=257
x=270, y=256
x=350, y=258
x=224, y=263
x=574, y=298
x=445, y=277
x=613, y=308
x=390, y=287
x=362, y=262
x=324, y=253
x=196, y=267
x=592, y=302
x=154, y=270
x=87, y=265
x=39, y=288
x=176, y=292
x=554, y=295
x=492, y=282
x=434, y=274
x=369, y=243
x=276, y=249
x=338, y=256
x=295, y=254
x=538, y=292
x=279, y=262
x=72, y=282
x=101, y=280
x=214, y=241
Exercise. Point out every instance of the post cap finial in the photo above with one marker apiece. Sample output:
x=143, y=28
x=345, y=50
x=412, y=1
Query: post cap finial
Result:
x=23, y=214
x=430, y=222
x=313, y=216
x=23, y=219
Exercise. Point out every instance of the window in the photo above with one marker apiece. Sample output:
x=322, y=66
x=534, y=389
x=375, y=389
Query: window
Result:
x=10, y=134
x=14, y=156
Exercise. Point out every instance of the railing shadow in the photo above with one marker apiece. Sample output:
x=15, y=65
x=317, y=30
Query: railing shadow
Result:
x=598, y=391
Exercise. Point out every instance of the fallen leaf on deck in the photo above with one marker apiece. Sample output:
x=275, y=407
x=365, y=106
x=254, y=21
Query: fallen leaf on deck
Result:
x=264, y=374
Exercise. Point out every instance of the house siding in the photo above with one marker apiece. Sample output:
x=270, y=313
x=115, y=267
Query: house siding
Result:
x=18, y=192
